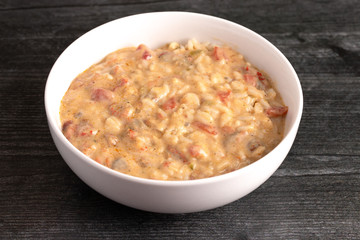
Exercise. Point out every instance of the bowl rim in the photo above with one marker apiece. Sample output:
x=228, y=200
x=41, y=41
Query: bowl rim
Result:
x=174, y=183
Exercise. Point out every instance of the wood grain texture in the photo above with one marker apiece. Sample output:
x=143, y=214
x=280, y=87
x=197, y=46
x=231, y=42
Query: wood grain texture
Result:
x=315, y=194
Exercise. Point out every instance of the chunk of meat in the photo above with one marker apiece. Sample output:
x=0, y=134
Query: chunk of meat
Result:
x=69, y=129
x=101, y=94
x=207, y=128
x=276, y=111
x=169, y=104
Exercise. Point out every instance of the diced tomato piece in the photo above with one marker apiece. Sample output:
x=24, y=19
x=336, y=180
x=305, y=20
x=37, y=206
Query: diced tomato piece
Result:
x=196, y=151
x=224, y=96
x=176, y=153
x=166, y=164
x=131, y=133
x=121, y=111
x=276, y=111
x=219, y=53
x=145, y=148
x=146, y=55
x=101, y=94
x=207, y=128
x=115, y=109
x=250, y=79
x=260, y=76
x=169, y=104
x=85, y=129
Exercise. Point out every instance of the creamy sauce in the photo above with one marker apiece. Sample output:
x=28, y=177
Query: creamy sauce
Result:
x=175, y=113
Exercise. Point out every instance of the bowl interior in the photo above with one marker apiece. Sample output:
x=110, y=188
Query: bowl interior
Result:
x=157, y=29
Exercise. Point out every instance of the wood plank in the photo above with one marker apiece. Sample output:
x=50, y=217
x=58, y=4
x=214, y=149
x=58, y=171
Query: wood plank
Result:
x=24, y=5
x=276, y=17
x=315, y=194
x=255, y=216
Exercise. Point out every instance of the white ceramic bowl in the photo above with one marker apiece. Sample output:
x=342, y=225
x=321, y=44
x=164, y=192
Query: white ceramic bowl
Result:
x=155, y=30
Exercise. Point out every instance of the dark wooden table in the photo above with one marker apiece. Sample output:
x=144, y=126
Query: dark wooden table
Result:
x=315, y=194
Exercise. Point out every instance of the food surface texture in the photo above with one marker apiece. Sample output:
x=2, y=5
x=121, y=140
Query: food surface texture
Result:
x=178, y=112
